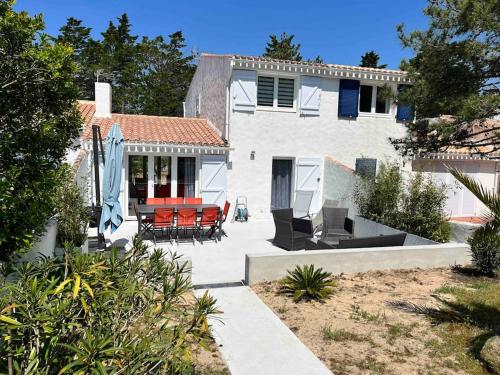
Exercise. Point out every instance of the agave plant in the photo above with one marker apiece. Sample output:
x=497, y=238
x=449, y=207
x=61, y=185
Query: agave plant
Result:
x=485, y=242
x=307, y=283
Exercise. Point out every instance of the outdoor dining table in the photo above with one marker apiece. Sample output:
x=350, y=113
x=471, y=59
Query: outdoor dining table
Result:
x=149, y=210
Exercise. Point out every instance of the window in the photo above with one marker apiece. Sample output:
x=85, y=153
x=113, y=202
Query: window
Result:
x=275, y=92
x=382, y=102
x=372, y=99
x=285, y=92
x=265, y=91
x=365, y=98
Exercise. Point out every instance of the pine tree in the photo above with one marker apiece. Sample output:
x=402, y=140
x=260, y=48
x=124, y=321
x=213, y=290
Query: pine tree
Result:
x=283, y=48
x=170, y=73
x=119, y=61
x=455, y=71
x=370, y=60
x=77, y=36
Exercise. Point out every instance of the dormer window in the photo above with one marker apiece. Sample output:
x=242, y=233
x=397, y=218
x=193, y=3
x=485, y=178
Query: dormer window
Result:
x=275, y=92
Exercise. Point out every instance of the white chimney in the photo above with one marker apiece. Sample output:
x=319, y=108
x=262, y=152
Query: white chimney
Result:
x=102, y=99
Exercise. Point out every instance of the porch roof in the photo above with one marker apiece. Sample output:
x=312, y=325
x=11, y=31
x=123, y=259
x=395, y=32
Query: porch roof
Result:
x=152, y=129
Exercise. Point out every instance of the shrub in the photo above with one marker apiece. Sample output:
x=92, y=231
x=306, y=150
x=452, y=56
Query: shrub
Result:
x=378, y=199
x=423, y=209
x=307, y=283
x=417, y=206
x=73, y=216
x=130, y=313
x=485, y=249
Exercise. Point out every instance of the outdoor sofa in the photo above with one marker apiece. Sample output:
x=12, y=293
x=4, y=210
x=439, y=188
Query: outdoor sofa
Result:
x=352, y=243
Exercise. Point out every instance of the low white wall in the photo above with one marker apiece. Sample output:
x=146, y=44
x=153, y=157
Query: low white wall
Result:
x=369, y=228
x=273, y=266
x=45, y=245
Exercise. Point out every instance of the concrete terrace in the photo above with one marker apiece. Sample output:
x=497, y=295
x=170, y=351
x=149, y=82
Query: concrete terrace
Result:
x=251, y=338
x=214, y=262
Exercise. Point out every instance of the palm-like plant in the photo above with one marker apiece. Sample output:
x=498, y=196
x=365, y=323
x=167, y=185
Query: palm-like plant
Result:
x=307, y=283
x=485, y=242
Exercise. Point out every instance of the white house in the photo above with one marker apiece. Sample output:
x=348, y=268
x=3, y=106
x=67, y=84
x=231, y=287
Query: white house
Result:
x=163, y=157
x=284, y=119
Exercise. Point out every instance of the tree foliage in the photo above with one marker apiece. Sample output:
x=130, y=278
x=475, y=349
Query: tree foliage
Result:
x=282, y=48
x=371, y=60
x=415, y=205
x=148, y=76
x=454, y=71
x=485, y=242
x=38, y=122
x=103, y=314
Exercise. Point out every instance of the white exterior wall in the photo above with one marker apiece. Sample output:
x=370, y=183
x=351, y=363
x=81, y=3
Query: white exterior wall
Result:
x=484, y=171
x=274, y=133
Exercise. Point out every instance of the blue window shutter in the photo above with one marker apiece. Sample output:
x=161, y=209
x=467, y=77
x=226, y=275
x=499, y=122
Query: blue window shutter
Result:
x=348, y=98
x=405, y=111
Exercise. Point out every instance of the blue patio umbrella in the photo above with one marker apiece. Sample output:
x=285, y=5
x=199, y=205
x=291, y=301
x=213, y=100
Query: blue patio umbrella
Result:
x=111, y=209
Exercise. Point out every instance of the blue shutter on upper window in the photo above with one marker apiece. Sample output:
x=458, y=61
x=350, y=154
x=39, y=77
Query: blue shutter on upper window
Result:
x=348, y=98
x=405, y=111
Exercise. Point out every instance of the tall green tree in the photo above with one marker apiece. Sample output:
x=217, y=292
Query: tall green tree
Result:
x=455, y=71
x=119, y=61
x=282, y=48
x=77, y=36
x=371, y=60
x=169, y=73
x=38, y=122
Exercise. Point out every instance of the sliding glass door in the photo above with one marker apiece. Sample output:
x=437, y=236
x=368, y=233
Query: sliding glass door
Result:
x=163, y=176
x=186, y=176
x=137, y=181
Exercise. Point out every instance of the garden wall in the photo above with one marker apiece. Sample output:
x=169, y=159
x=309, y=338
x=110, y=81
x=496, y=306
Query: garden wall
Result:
x=368, y=228
x=273, y=265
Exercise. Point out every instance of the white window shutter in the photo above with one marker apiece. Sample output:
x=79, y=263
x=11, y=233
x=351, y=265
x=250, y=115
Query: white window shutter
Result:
x=310, y=95
x=213, y=179
x=244, y=90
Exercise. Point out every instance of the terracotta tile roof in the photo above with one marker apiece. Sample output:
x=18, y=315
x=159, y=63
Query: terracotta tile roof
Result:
x=320, y=65
x=152, y=129
x=486, y=129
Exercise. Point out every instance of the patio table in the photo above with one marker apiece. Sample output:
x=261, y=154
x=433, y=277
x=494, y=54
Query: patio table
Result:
x=149, y=209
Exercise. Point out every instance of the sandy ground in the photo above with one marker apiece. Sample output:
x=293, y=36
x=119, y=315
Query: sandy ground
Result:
x=356, y=332
x=209, y=361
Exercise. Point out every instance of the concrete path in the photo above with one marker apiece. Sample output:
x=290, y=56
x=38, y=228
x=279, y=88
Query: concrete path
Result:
x=253, y=340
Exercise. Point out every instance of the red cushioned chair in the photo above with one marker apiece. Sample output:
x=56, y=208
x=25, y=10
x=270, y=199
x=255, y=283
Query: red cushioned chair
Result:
x=191, y=200
x=179, y=200
x=155, y=201
x=186, y=219
x=225, y=213
x=163, y=220
x=209, y=219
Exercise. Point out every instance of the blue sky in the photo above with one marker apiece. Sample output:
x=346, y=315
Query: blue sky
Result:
x=339, y=31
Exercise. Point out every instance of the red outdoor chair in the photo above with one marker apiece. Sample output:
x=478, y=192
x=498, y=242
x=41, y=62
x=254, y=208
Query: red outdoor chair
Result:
x=224, y=216
x=186, y=219
x=163, y=220
x=154, y=201
x=146, y=222
x=191, y=200
x=209, y=219
x=174, y=200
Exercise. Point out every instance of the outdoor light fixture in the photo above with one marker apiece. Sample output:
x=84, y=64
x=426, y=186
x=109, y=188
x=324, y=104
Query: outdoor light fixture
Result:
x=252, y=155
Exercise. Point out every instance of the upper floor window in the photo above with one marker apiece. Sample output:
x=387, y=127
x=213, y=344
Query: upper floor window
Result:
x=372, y=100
x=277, y=92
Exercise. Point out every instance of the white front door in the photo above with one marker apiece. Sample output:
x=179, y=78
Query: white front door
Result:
x=308, y=172
x=213, y=179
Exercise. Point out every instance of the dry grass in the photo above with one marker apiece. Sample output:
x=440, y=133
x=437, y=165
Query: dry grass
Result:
x=396, y=322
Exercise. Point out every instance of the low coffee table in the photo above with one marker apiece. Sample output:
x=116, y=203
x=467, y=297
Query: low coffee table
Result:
x=324, y=243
